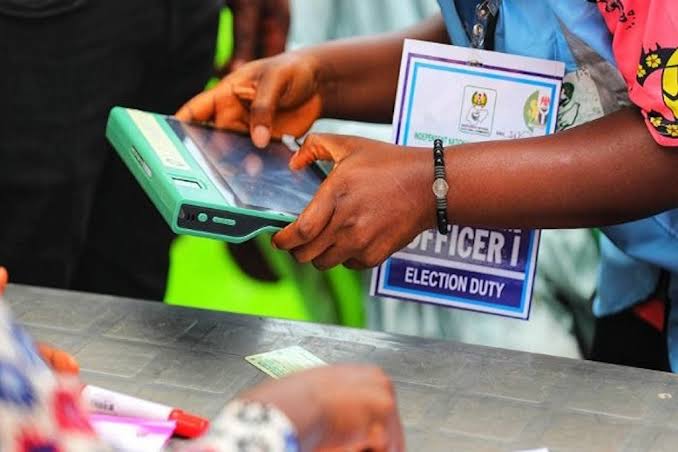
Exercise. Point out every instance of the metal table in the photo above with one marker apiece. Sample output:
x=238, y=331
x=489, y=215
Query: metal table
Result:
x=452, y=396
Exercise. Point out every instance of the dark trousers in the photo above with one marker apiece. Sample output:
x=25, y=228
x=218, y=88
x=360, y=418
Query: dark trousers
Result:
x=627, y=340
x=71, y=215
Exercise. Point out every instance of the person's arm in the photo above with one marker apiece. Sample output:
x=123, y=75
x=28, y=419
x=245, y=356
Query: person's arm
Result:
x=358, y=77
x=379, y=197
x=605, y=172
x=349, y=79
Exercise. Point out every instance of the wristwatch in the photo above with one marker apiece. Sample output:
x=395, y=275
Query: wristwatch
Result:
x=440, y=186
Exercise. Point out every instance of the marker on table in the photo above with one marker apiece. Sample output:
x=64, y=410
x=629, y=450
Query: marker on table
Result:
x=103, y=401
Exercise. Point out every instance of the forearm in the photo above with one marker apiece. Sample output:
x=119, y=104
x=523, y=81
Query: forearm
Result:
x=606, y=172
x=358, y=77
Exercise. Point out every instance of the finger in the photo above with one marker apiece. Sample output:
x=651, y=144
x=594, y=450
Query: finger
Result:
x=311, y=222
x=394, y=430
x=231, y=111
x=321, y=146
x=200, y=108
x=264, y=106
x=396, y=434
x=335, y=255
x=247, y=93
x=4, y=279
x=377, y=438
x=246, y=24
x=58, y=360
x=316, y=247
x=354, y=264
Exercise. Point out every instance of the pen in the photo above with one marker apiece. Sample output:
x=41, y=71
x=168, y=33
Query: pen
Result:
x=104, y=401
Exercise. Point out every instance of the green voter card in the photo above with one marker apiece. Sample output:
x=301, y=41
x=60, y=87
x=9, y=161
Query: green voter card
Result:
x=209, y=182
x=285, y=361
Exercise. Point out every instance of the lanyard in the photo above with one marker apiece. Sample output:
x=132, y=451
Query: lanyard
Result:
x=486, y=14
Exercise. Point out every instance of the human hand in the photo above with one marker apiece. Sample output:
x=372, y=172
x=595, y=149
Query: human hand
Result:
x=58, y=360
x=373, y=203
x=260, y=29
x=269, y=98
x=347, y=407
x=4, y=279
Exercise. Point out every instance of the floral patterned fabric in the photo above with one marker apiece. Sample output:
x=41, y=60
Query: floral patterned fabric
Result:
x=645, y=45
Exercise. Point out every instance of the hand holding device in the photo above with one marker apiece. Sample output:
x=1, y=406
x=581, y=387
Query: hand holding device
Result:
x=373, y=203
x=209, y=182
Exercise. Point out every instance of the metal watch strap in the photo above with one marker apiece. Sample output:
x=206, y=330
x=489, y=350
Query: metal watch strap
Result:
x=439, y=179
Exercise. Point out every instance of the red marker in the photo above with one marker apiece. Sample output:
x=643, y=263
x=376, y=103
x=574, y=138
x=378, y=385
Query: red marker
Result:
x=103, y=401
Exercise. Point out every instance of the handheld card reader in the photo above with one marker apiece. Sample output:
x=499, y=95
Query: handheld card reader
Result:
x=208, y=182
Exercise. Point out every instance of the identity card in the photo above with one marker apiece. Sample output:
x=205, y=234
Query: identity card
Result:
x=285, y=361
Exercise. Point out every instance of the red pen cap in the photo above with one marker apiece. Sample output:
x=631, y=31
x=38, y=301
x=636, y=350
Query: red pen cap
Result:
x=188, y=425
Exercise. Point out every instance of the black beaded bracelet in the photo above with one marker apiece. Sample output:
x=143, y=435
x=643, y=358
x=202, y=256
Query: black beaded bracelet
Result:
x=440, y=186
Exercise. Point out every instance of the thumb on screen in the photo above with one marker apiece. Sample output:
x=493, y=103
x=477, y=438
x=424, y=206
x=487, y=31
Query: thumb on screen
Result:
x=321, y=146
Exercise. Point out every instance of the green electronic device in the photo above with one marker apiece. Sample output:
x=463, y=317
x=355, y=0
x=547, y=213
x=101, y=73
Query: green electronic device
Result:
x=208, y=182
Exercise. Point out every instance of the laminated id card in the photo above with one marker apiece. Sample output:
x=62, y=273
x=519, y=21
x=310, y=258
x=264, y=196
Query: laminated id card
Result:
x=208, y=182
x=462, y=95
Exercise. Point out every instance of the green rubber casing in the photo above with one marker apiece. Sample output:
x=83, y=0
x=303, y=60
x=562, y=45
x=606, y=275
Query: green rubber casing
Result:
x=177, y=184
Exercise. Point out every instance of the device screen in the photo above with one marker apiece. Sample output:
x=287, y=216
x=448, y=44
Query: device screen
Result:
x=258, y=178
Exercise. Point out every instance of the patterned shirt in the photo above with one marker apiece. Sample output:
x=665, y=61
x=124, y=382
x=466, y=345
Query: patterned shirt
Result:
x=645, y=46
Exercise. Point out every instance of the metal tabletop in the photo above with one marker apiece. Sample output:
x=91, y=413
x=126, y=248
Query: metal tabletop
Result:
x=452, y=396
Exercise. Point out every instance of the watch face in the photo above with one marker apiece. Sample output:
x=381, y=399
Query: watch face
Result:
x=440, y=188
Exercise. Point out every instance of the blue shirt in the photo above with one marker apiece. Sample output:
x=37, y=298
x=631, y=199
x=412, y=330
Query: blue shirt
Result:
x=571, y=31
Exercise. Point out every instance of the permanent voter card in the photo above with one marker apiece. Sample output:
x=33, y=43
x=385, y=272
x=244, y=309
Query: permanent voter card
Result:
x=464, y=95
x=285, y=361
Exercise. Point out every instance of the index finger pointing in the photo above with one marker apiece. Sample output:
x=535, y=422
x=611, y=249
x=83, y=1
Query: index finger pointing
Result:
x=312, y=149
x=270, y=88
x=321, y=146
x=310, y=223
x=200, y=108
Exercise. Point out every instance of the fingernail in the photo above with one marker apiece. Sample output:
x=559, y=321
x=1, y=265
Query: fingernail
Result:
x=261, y=136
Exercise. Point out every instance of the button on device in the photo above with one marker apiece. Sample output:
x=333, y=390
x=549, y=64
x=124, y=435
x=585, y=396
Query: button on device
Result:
x=224, y=221
x=202, y=217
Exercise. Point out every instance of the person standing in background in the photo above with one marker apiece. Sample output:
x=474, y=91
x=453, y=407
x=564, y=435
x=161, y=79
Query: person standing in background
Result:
x=73, y=217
